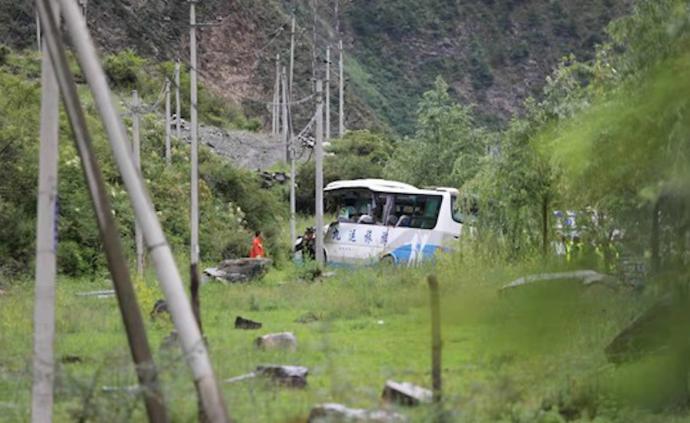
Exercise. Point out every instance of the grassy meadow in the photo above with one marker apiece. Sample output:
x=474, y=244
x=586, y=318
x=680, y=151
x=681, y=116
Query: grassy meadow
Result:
x=530, y=354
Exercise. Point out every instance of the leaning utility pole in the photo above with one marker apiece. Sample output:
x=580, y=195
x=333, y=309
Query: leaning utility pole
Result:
x=275, y=106
x=194, y=247
x=117, y=265
x=177, y=100
x=318, y=155
x=341, y=117
x=44, y=305
x=136, y=155
x=193, y=346
x=168, y=148
x=328, y=93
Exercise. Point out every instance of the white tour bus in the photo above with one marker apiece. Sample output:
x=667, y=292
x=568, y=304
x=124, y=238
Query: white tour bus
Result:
x=382, y=220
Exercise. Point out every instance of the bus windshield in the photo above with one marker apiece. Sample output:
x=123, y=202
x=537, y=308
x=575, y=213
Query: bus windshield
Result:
x=400, y=210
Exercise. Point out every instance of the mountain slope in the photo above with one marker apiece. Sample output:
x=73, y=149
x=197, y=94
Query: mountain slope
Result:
x=493, y=53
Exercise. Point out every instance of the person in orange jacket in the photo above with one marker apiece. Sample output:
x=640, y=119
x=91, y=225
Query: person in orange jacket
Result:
x=257, y=250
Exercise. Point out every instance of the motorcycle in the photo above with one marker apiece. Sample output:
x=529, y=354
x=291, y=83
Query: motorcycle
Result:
x=306, y=244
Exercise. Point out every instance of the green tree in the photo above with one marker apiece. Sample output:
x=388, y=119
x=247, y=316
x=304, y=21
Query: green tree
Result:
x=447, y=145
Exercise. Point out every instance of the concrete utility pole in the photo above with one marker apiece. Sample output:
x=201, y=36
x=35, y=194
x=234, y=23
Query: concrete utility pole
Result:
x=178, y=118
x=290, y=142
x=275, y=107
x=341, y=116
x=38, y=32
x=318, y=155
x=168, y=147
x=292, y=56
x=194, y=247
x=284, y=111
x=193, y=346
x=136, y=155
x=314, y=43
x=44, y=305
x=328, y=93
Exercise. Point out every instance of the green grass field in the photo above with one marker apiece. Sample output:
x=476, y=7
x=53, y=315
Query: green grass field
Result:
x=516, y=356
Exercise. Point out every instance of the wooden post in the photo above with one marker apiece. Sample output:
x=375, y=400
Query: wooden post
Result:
x=193, y=346
x=318, y=155
x=44, y=306
x=136, y=155
x=290, y=142
x=131, y=315
x=436, y=344
x=168, y=147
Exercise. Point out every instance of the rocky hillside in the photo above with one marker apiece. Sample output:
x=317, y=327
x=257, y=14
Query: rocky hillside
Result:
x=493, y=53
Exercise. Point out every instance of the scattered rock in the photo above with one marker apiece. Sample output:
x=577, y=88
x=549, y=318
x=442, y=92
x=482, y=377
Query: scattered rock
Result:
x=405, y=393
x=239, y=270
x=283, y=340
x=159, y=308
x=308, y=317
x=242, y=323
x=331, y=413
x=289, y=376
x=71, y=359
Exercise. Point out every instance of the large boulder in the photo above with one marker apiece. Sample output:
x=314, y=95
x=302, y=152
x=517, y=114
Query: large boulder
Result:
x=405, y=393
x=277, y=341
x=239, y=270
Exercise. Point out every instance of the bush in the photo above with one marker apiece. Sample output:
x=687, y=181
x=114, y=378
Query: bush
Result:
x=123, y=68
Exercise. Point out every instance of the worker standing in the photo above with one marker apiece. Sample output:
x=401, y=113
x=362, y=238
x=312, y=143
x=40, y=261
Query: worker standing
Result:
x=257, y=250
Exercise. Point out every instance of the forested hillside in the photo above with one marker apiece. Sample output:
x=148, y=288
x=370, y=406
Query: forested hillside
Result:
x=493, y=54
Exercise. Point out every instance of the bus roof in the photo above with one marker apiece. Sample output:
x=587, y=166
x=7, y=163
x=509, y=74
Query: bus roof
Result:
x=382, y=186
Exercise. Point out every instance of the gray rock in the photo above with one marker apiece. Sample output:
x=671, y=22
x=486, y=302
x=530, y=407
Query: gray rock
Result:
x=283, y=340
x=405, y=393
x=289, y=376
x=308, y=317
x=242, y=323
x=239, y=270
x=332, y=413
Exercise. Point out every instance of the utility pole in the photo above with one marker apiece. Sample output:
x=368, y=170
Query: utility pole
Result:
x=284, y=111
x=44, y=306
x=292, y=56
x=38, y=32
x=337, y=17
x=314, y=42
x=341, y=117
x=168, y=152
x=275, y=107
x=136, y=154
x=328, y=93
x=290, y=142
x=318, y=155
x=177, y=100
x=194, y=247
x=193, y=346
